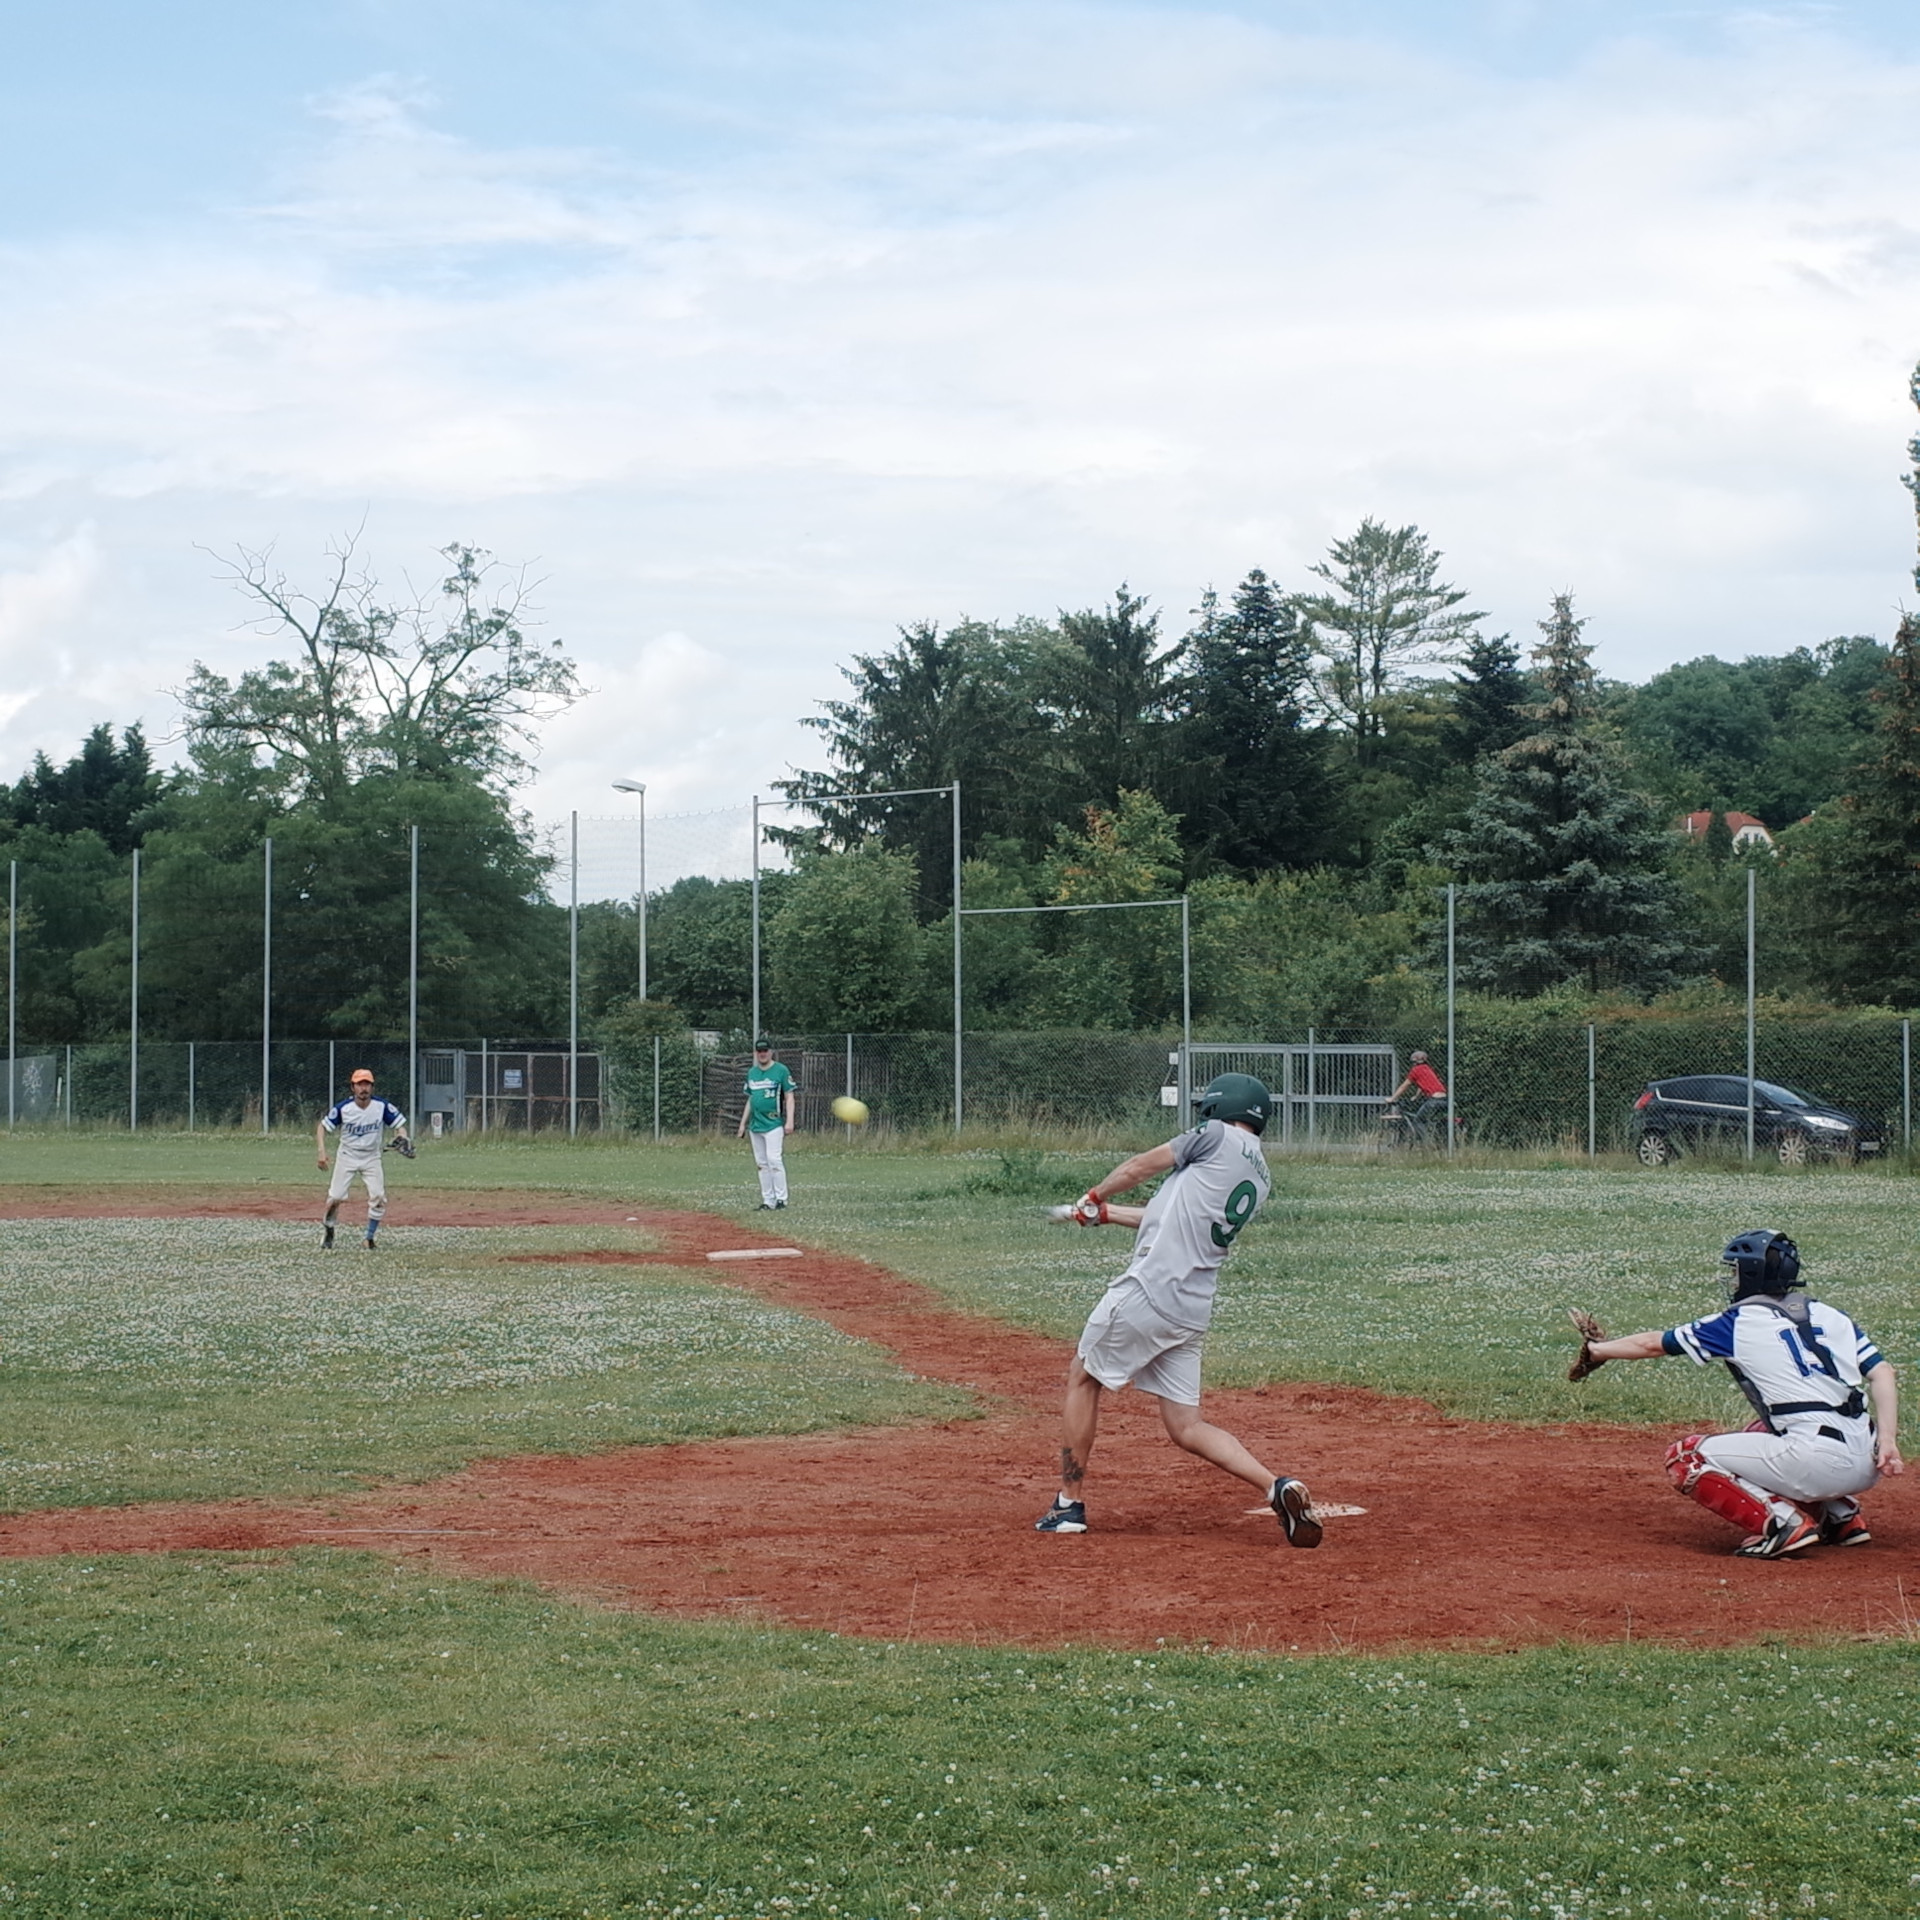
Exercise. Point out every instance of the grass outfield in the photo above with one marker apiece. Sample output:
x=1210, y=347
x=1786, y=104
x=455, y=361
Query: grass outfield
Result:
x=1452, y=1284
x=191, y=1359
x=317, y=1733
x=320, y=1735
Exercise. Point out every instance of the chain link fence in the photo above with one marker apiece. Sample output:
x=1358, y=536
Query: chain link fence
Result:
x=1520, y=1079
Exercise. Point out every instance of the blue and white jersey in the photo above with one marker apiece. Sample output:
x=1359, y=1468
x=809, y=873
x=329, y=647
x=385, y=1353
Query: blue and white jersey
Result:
x=1785, y=1359
x=363, y=1130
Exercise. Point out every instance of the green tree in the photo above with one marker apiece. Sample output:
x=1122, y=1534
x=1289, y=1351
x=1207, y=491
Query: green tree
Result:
x=1489, y=698
x=1254, y=778
x=847, y=952
x=104, y=790
x=1385, y=612
x=1563, y=864
x=1860, y=875
x=934, y=708
x=700, y=946
x=447, y=682
x=1113, y=686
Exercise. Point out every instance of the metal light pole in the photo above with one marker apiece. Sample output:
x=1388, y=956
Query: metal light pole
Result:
x=413, y=977
x=573, y=979
x=1186, y=1007
x=133, y=1010
x=1750, y=980
x=640, y=787
x=13, y=998
x=959, y=1101
x=753, y=1023
x=266, y=989
x=1453, y=1074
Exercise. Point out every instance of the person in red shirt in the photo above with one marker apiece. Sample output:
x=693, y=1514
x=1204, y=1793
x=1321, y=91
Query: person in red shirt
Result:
x=1421, y=1079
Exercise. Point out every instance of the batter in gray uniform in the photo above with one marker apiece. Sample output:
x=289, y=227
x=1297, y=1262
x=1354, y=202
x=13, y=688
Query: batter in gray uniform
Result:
x=1150, y=1327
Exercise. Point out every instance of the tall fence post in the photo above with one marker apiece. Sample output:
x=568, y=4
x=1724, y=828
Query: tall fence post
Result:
x=959, y=1039
x=656, y=1089
x=190, y=1065
x=1750, y=1035
x=848, y=1089
x=69, y=1086
x=1906, y=1085
x=753, y=1018
x=1453, y=1065
x=266, y=990
x=573, y=980
x=1186, y=1010
x=413, y=978
x=133, y=1010
x=13, y=949
x=1313, y=1100
x=1593, y=1111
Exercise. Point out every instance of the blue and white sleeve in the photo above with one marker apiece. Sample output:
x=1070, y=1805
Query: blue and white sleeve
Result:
x=1866, y=1353
x=1703, y=1340
x=331, y=1118
x=394, y=1117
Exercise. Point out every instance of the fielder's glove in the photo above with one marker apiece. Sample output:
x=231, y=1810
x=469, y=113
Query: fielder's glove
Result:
x=405, y=1148
x=1585, y=1361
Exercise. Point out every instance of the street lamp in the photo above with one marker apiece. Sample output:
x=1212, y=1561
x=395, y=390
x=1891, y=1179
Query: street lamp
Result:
x=640, y=787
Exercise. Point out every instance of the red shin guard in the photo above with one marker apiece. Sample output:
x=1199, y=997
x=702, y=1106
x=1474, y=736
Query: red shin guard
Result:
x=1716, y=1490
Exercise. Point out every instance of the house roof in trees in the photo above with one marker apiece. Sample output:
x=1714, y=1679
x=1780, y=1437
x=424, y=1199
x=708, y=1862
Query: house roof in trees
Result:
x=1746, y=830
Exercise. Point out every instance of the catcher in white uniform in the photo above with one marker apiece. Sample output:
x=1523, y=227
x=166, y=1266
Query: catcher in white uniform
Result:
x=1790, y=1480
x=1150, y=1327
x=361, y=1122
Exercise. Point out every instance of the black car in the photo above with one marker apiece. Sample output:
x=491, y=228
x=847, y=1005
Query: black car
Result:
x=1709, y=1111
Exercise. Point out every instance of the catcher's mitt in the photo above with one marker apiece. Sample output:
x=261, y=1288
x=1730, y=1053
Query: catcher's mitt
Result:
x=1590, y=1331
x=405, y=1148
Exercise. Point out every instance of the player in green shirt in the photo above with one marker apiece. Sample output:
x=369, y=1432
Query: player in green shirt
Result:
x=768, y=1118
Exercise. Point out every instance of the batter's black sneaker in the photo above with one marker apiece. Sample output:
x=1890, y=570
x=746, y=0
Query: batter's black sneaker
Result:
x=1294, y=1506
x=326, y=1239
x=1064, y=1516
x=372, y=1247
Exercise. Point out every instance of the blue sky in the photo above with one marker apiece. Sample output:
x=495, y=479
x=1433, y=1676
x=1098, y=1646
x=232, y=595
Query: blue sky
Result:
x=760, y=328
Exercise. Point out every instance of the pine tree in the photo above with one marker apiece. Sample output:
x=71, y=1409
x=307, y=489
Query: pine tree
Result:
x=1252, y=774
x=1865, y=885
x=1489, y=698
x=1387, y=611
x=1563, y=864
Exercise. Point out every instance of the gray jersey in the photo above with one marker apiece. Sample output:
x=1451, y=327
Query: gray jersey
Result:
x=1218, y=1181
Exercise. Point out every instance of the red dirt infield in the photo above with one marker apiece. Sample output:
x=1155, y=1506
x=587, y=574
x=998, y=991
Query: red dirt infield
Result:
x=1474, y=1535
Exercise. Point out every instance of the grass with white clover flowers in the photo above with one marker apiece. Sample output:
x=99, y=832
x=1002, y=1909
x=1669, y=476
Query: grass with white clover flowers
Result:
x=318, y=1733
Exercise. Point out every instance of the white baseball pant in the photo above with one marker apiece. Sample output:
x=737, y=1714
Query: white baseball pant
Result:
x=769, y=1151
x=372, y=1174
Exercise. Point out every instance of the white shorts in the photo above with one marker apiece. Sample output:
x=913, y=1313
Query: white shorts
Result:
x=1127, y=1343
x=1801, y=1465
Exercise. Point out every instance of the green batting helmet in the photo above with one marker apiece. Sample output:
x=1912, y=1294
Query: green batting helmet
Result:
x=1237, y=1096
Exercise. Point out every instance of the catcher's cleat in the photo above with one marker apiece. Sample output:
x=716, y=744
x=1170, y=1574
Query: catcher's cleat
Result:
x=1064, y=1516
x=326, y=1239
x=1781, y=1538
x=1850, y=1532
x=1294, y=1506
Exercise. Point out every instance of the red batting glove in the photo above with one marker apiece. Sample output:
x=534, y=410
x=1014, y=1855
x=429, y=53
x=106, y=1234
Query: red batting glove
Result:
x=1090, y=1210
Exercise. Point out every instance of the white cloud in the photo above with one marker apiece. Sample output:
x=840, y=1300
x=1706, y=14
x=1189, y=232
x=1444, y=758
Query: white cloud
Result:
x=1077, y=294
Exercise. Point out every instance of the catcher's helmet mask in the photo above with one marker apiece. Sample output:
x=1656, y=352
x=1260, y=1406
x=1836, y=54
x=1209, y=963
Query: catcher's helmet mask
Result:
x=1237, y=1096
x=1763, y=1261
